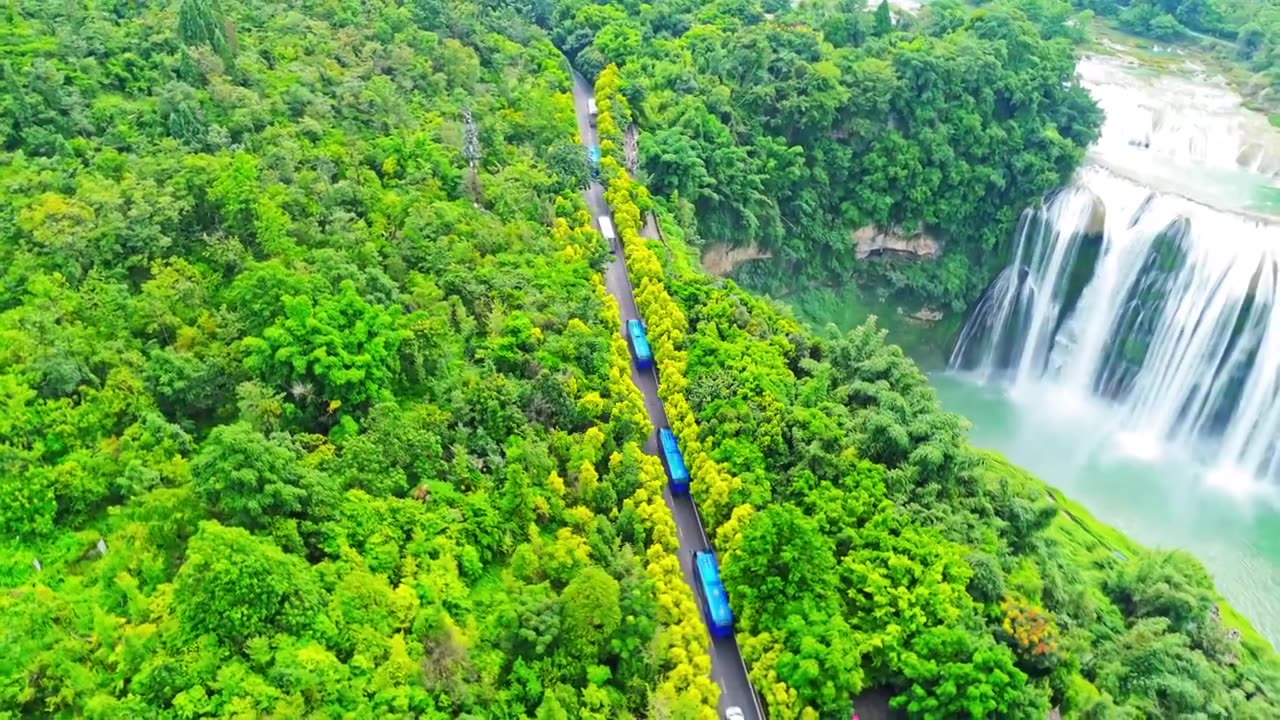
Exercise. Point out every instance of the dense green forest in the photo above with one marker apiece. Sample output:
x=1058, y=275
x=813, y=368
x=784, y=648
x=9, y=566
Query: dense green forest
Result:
x=356, y=432
x=866, y=544
x=1250, y=28
x=314, y=404
x=788, y=132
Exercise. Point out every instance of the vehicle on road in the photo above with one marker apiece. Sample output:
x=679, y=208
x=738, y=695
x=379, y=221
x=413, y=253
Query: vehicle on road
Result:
x=592, y=111
x=606, y=231
x=734, y=713
x=593, y=160
x=639, y=344
x=715, y=602
x=674, y=460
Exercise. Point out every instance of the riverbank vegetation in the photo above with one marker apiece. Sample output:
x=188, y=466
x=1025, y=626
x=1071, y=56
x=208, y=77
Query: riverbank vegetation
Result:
x=1242, y=36
x=865, y=544
x=864, y=526
x=300, y=417
x=787, y=129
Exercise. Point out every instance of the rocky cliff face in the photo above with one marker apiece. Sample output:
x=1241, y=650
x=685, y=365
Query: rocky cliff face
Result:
x=873, y=241
x=721, y=259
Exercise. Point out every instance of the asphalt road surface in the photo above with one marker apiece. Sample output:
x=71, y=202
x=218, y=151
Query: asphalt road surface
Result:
x=727, y=669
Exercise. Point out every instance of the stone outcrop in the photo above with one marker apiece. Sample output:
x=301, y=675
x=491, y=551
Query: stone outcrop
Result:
x=874, y=241
x=1262, y=157
x=1097, y=222
x=927, y=315
x=923, y=316
x=721, y=258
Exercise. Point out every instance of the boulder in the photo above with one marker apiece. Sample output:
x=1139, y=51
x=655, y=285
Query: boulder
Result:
x=1097, y=222
x=1260, y=157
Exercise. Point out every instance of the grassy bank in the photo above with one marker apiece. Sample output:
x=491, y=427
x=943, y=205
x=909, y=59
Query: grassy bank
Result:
x=1091, y=543
x=1076, y=527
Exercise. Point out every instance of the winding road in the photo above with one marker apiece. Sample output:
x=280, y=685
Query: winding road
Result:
x=727, y=668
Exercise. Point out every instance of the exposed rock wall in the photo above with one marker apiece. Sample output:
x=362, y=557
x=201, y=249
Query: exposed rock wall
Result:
x=721, y=258
x=1097, y=222
x=872, y=240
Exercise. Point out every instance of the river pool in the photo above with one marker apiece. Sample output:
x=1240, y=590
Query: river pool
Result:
x=1148, y=492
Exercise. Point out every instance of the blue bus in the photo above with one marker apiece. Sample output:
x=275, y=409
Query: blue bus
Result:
x=714, y=600
x=676, y=469
x=593, y=160
x=639, y=344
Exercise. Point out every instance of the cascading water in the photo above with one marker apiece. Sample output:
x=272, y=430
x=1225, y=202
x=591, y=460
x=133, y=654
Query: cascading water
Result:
x=1130, y=351
x=1167, y=117
x=1164, y=308
x=1167, y=308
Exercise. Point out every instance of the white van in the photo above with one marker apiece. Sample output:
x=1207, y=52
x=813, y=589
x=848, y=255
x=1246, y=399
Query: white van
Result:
x=606, y=229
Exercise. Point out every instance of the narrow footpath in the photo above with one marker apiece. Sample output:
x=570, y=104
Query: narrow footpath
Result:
x=727, y=668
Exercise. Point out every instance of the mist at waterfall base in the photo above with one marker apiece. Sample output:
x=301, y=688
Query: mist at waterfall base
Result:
x=1160, y=503
x=1165, y=309
x=1130, y=353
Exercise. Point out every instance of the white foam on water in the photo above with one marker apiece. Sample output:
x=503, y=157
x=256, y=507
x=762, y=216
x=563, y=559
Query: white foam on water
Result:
x=1175, y=335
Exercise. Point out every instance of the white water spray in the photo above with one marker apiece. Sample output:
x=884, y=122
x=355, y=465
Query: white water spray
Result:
x=1169, y=119
x=1127, y=297
x=1167, y=309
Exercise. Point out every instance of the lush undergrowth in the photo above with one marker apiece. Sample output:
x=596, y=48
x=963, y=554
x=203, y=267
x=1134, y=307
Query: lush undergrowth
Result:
x=926, y=340
x=300, y=418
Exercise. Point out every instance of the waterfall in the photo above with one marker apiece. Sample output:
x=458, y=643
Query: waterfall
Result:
x=1169, y=119
x=1166, y=310
x=1015, y=321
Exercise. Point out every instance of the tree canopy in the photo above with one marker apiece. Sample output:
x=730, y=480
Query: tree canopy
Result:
x=952, y=575
x=357, y=433
x=866, y=545
x=787, y=132
x=313, y=403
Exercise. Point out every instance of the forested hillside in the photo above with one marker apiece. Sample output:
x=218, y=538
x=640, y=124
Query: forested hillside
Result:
x=1253, y=24
x=300, y=417
x=866, y=544
x=789, y=132
x=356, y=433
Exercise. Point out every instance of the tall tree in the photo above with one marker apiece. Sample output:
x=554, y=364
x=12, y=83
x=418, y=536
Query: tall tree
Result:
x=201, y=22
x=590, y=603
x=236, y=587
x=250, y=480
x=883, y=19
